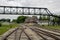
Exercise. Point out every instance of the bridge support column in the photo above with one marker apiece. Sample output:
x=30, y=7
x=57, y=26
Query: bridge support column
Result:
x=16, y=10
x=4, y=11
x=22, y=11
x=34, y=11
x=10, y=10
x=48, y=13
x=40, y=14
x=29, y=11
x=49, y=21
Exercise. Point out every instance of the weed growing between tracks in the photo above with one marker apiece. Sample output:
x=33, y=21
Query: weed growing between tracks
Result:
x=5, y=28
x=53, y=28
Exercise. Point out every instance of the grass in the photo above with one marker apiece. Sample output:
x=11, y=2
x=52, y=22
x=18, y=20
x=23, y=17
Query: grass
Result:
x=5, y=28
x=52, y=27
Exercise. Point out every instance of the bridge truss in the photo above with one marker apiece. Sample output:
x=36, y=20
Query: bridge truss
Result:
x=14, y=10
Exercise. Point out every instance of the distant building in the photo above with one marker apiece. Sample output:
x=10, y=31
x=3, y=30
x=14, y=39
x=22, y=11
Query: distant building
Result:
x=32, y=19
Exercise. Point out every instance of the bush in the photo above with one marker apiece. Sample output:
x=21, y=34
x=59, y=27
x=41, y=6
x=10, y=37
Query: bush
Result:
x=0, y=24
x=21, y=19
x=14, y=20
x=43, y=25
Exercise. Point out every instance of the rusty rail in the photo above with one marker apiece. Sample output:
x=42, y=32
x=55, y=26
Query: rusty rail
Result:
x=5, y=36
x=52, y=35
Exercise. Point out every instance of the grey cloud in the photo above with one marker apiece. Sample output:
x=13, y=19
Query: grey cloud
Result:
x=52, y=5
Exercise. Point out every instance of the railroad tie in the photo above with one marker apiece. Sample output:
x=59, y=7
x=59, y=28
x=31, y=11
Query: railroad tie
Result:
x=32, y=34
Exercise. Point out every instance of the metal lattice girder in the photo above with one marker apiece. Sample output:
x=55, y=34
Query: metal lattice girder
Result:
x=25, y=11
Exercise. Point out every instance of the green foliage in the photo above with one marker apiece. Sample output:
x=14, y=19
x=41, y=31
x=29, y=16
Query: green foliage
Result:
x=5, y=28
x=14, y=20
x=56, y=27
x=5, y=20
x=8, y=20
x=0, y=24
x=21, y=19
x=56, y=19
x=44, y=18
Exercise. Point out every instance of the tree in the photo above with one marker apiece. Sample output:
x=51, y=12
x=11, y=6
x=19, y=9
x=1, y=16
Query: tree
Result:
x=14, y=20
x=56, y=20
x=5, y=20
x=0, y=24
x=21, y=19
x=8, y=20
x=40, y=18
x=44, y=18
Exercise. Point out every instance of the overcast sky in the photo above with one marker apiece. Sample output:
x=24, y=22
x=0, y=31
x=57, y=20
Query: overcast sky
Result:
x=52, y=5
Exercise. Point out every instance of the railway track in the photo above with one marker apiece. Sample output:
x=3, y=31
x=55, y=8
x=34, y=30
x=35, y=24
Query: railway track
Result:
x=24, y=35
x=33, y=33
x=45, y=34
x=19, y=34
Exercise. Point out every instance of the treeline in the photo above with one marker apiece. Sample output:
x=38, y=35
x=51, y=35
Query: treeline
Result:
x=53, y=20
x=4, y=20
x=20, y=19
x=56, y=21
